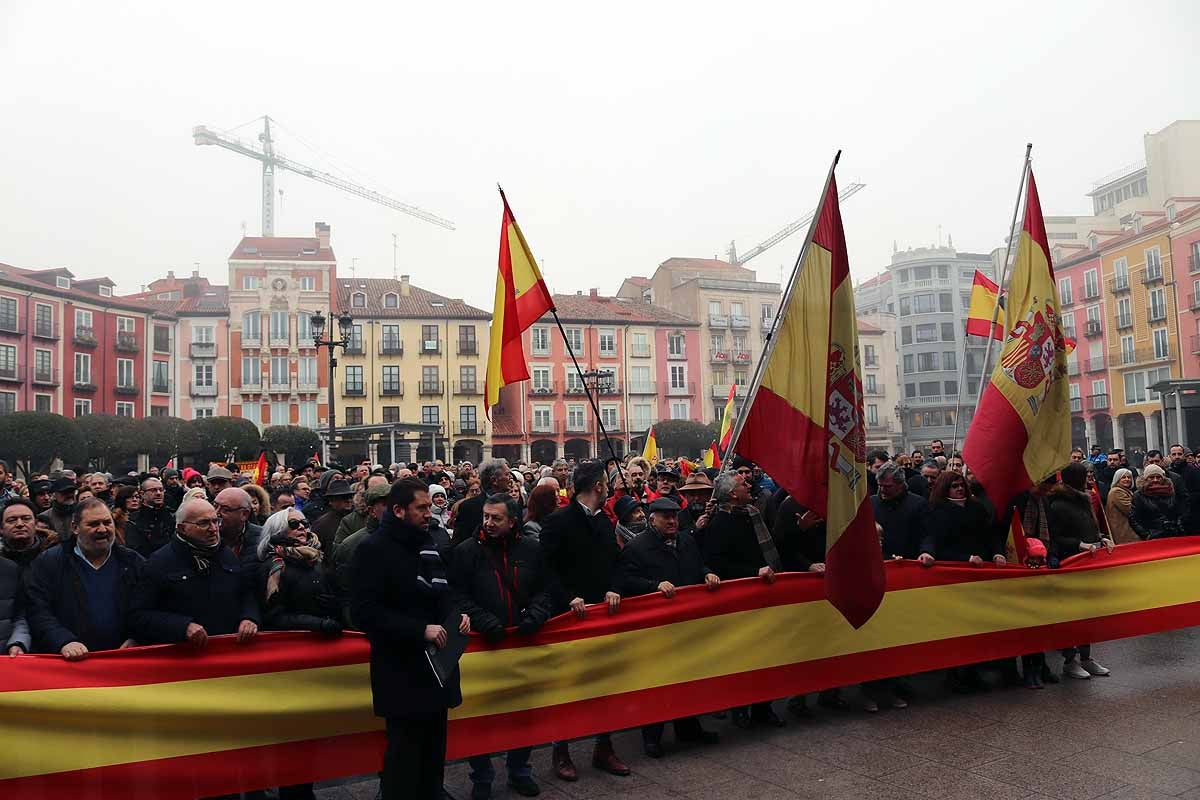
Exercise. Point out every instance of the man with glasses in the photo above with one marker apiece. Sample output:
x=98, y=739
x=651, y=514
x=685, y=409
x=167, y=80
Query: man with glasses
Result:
x=238, y=533
x=194, y=586
x=152, y=525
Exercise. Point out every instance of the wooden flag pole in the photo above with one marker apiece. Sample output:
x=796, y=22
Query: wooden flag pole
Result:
x=783, y=307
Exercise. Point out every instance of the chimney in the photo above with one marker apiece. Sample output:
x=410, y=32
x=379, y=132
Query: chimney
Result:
x=322, y=236
x=170, y=274
x=195, y=274
x=405, y=289
x=594, y=293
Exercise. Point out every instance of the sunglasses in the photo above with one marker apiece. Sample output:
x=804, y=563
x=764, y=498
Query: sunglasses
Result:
x=297, y=524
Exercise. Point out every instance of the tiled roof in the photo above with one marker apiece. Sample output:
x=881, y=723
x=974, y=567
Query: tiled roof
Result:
x=638, y=280
x=503, y=425
x=281, y=248
x=703, y=265
x=26, y=279
x=209, y=300
x=417, y=304
x=882, y=277
x=600, y=308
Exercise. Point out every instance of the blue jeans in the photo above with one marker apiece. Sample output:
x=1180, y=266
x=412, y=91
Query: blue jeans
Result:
x=517, y=762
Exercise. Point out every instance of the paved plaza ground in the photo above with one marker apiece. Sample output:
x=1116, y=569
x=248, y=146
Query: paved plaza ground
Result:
x=1132, y=736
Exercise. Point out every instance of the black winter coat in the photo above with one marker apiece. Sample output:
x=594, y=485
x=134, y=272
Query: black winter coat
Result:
x=468, y=519
x=798, y=548
x=57, y=603
x=730, y=546
x=955, y=533
x=903, y=522
x=305, y=601
x=502, y=584
x=171, y=594
x=1157, y=517
x=647, y=561
x=392, y=607
x=146, y=530
x=1070, y=520
x=1189, y=477
x=14, y=628
x=581, y=551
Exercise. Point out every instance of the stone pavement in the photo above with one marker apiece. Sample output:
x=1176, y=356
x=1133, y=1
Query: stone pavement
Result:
x=1132, y=736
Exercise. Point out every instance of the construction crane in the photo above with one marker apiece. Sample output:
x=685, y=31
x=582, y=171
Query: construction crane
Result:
x=272, y=160
x=787, y=230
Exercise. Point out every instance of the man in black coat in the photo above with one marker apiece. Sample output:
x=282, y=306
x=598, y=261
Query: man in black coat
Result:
x=500, y=581
x=662, y=560
x=339, y=501
x=494, y=478
x=899, y=512
x=581, y=548
x=81, y=590
x=58, y=516
x=1189, y=480
x=238, y=533
x=153, y=524
x=400, y=598
x=194, y=586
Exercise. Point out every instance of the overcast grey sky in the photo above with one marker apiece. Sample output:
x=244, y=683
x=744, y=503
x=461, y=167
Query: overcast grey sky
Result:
x=623, y=133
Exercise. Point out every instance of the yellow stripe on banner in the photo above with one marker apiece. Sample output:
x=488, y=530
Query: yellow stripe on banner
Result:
x=58, y=730
x=68, y=729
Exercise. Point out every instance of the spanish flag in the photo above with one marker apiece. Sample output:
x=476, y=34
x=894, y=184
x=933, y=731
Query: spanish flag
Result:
x=712, y=460
x=521, y=300
x=805, y=424
x=982, y=307
x=1021, y=432
x=260, y=469
x=727, y=421
x=1016, y=547
x=650, y=451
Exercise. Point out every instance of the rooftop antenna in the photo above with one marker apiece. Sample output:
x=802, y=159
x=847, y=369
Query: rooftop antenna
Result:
x=395, y=245
x=281, y=201
x=353, y=267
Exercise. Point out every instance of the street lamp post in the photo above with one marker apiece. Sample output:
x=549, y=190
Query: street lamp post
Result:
x=601, y=381
x=346, y=327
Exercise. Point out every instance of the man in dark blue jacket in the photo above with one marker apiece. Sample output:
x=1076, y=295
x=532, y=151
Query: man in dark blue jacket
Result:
x=80, y=590
x=899, y=512
x=194, y=586
x=400, y=599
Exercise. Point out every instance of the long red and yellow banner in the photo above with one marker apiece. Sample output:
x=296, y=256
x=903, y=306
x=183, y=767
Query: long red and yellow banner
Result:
x=169, y=722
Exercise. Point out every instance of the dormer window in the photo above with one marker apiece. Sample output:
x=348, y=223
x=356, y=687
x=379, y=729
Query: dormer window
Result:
x=390, y=300
x=1137, y=224
x=1171, y=213
x=106, y=291
x=1093, y=242
x=308, y=251
x=62, y=283
x=358, y=300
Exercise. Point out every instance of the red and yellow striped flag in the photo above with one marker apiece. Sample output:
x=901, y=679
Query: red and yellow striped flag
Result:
x=521, y=300
x=1022, y=427
x=727, y=421
x=805, y=423
x=982, y=307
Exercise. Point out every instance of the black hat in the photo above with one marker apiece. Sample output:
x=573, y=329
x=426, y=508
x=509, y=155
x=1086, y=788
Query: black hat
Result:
x=665, y=504
x=663, y=469
x=742, y=461
x=63, y=485
x=339, y=488
x=624, y=506
x=40, y=487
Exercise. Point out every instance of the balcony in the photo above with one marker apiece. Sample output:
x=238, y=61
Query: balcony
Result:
x=718, y=321
x=1124, y=321
x=307, y=386
x=279, y=341
x=251, y=387
x=578, y=426
x=1091, y=292
x=389, y=346
x=45, y=377
x=127, y=343
x=469, y=428
x=45, y=330
x=719, y=356
x=1119, y=284
x=279, y=386
x=354, y=348
x=686, y=390
x=391, y=389
x=642, y=387
x=203, y=389
x=431, y=347
x=1095, y=364
x=613, y=426
x=470, y=389
x=1152, y=275
x=160, y=388
x=720, y=391
x=870, y=361
x=1091, y=328
x=574, y=389
x=1066, y=302
x=543, y=390
x=639, y=352
x=13, y=374
x=203, y=349
x=739, y=321
x=1076, y=404
x=84, y=384
x=431, y=388
x=353, y=389
x=252, y=341
x=11, y=327
x=544, y=426
x=84, y=337
x=680, y=356
x=126, y=389
x=468, y=347
x=1098, y=402
x=1073, y=368
x=875, y=391
x=1147, y=355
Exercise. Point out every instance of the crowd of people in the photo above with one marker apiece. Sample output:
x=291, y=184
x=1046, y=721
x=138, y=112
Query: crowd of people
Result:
x=410, y=554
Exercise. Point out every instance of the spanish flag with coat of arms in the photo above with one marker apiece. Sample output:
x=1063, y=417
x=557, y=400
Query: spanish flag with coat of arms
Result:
x=804, y=425
x=1021, y=432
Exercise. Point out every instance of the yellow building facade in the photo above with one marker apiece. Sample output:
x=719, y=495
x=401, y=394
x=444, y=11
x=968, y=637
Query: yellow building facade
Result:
x=414, y=357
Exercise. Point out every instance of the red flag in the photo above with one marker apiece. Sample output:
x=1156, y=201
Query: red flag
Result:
x=260, y=469
x=982, y=307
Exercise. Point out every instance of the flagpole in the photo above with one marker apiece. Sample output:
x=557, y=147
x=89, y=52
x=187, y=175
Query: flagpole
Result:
x=987, y=359
x=591, y=399
x=962, y=388
x=765, y=356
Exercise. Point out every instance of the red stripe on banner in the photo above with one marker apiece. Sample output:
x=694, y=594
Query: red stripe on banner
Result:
x=210, y=774
x=586, y=717
x=854, y=574
x=803, y=463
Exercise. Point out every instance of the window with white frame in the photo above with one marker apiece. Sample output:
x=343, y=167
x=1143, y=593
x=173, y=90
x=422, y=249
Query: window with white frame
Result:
x=201, y=412
x=1068, y=325
x=639, y=379
x=675, y=343
x=203, y=334
x=872, y=414
x=279, y=371
x=251, y=326
x=1127, y=351
x=306, y=371
x=680, y=409
x=8, y=361
x=82, y=407
x=641, y=344
x=358, y=300
x=1064, y=291
x=125, y=372
x=574, y=382
x=542, y=421
x=251, y=282
x=541, y=380
x=576, y=417
x=1153, y=263
x=1124, y=312
x=609, y=415
x=575, y=340
x=202, y=374
x=251, y=372
x=308, y=283
x=714, y=308
x=1100, y=387
x=279, y=326
x=308, y=413
x=540, y=340
x=124, y=409
x=1091, y=283
x=1121, y=273
x=642, y=416
x=125, y=325
x=83, y=369
x=303, y=328
x=391, y=300
x=1162, y=348
x=608, y=342
x=279, y=412
x=1093, y=314
x=83, y=322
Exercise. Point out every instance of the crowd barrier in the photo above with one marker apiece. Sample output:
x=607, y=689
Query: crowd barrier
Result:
x=165, y=722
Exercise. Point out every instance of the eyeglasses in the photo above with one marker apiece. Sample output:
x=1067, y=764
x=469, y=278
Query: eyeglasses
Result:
x=205, y=523
x=297, y=524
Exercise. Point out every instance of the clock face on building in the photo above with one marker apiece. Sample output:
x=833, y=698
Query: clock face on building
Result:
x=279, y=284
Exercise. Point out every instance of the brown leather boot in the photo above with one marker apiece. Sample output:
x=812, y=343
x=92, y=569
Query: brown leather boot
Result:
x=604, y=758
x=563, y=767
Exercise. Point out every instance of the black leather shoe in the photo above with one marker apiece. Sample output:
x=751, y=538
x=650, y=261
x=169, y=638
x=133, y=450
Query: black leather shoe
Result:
x=652, y=749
